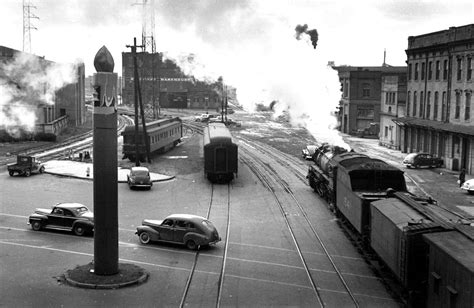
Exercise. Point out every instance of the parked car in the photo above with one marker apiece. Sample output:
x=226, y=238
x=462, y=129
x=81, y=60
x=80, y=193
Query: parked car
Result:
x=190, y=230
x=468, y=186
x=25, y=165
x=139, y=177
x=74, y=217
x=308, y=151
x=205, y=117
x=417, y=160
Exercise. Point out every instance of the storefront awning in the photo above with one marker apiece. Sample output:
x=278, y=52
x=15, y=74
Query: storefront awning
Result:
x=435, y=125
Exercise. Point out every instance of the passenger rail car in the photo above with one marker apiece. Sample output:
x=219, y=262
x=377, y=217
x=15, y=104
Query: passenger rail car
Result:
x=220, y=153
x=163, y=134
x=428, y=249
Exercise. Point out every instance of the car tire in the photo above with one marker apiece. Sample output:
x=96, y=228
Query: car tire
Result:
x=11, y=173
x=27, y=172
x=36, y=225
x=41, y=169
x=79, y=230
x=416, y=166
x=144, y=238
x=191, y=244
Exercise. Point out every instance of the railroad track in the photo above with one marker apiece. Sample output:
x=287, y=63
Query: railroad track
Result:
x=220, y=279
x=272, y=181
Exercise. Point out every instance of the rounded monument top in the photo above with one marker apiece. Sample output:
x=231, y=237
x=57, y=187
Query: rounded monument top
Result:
x=103, y=61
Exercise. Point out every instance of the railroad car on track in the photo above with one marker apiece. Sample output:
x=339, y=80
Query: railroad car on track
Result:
x=163, y=134
x=427, y=248
x=220, y=153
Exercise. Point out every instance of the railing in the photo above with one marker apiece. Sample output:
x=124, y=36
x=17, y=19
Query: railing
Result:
x=54, y=127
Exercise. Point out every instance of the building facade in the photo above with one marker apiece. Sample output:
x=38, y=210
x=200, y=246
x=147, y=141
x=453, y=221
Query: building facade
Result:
x=393, y=104
x=360, y=104
x=53, y=110
x=438, y=116
x=164, y=85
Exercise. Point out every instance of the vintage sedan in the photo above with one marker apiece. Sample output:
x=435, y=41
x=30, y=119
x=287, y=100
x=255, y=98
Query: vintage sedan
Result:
x=139, y=177
x=417, y=160
x=74, y=217
x=190, y=230
x=308, y=151
x=468, y=186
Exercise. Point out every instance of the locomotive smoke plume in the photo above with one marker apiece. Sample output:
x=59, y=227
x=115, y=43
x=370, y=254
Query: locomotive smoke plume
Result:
x=303, y=29
x=26, y=82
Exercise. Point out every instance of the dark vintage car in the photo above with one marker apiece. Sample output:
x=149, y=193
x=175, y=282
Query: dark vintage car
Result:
x=74, y=217
x=418, y=160
x=139, y=177
x=308, y=151
x=25, y=165
x=190, y=230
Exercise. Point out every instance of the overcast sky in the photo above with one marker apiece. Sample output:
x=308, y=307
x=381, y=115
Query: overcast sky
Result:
x=250, y=43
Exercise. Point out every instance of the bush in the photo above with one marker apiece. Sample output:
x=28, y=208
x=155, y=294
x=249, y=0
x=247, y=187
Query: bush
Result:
x=45, y=137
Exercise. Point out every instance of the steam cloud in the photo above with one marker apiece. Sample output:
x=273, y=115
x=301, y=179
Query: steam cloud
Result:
x=313, y=34
x=26, y=83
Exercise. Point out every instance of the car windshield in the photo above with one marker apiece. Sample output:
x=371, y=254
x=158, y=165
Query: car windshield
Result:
x=81, y=210
x=140, y=173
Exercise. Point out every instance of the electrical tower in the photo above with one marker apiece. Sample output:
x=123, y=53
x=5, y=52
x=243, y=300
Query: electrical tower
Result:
x=148, y=26
x=27, y=26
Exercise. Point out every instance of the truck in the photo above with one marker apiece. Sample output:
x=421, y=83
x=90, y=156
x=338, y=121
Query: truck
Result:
x=25, y=165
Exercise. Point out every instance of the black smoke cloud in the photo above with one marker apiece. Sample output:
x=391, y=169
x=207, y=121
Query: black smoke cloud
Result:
x=313, y=34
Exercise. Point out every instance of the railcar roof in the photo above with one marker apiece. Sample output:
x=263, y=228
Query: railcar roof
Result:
x=217, y=132
x=152, y=126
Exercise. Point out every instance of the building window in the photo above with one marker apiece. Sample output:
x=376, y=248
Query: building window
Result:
x=407, y=112
x=365, y=113
x=458, y=104
x=423, y=71
x=365, y=90
x=438, y=69
x=435, y=109
x=422, y=106
x=428, y=105
x=467, y=111
x=469, y=68
x=416, y=71
x=430, y=70
x=386, y=131
x=409, y=71
x=459, y=71
x=414, y=103
x=445, y=70
x=443, y=107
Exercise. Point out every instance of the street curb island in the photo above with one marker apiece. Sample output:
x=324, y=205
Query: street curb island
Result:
x=83, y=277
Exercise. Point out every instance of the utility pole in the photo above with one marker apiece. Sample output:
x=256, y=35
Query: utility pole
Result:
x=138, y=100
x=27, y=26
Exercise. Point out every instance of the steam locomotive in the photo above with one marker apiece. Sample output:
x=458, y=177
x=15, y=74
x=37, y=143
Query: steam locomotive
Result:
x=424, y=246
x=162, y=135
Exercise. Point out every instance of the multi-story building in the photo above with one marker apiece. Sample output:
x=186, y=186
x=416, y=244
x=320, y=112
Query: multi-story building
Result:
x=393, y=99
x=438, y=116
x=163, y=84
x=53, y=107
x=360, y=104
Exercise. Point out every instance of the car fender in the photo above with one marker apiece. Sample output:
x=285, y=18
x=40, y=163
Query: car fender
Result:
x=154, y=235
x=88, y=224
x=37, y=216
x=196, y=237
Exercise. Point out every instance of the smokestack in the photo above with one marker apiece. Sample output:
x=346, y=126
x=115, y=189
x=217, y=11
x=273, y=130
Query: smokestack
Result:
x=313, y=34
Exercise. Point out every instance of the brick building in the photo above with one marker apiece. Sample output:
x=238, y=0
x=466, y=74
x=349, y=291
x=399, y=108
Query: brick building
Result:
x=64, y=107
x=164, y=85
x=360, y=104
x=438, y=117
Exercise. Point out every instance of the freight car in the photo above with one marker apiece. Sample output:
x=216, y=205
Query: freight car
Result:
x=404, y=230
x=220, y=153
x=162, y=134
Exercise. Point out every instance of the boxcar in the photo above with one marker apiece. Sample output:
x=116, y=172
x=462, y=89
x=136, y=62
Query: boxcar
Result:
x=163, y=134
x=220, y=153
x=396, y=237
x=361, y=180
x=451, y=268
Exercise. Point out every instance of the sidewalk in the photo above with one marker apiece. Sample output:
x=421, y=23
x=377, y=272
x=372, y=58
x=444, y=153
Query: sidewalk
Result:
x=79, y=170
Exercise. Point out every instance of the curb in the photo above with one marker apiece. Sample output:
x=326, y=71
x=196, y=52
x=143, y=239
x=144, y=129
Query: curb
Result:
x=91, y=178
x=109, y=286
